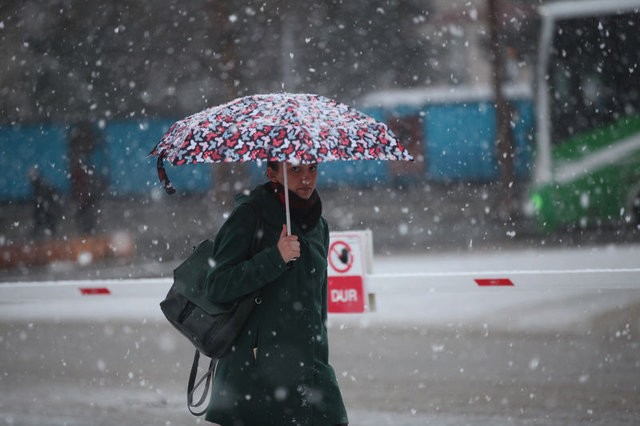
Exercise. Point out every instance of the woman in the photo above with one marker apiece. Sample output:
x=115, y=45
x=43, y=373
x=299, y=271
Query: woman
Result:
x=278, y=371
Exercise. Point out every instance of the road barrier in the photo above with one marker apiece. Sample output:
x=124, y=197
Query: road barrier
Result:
x=379, y=284
x=354, y=288
x=524, y=301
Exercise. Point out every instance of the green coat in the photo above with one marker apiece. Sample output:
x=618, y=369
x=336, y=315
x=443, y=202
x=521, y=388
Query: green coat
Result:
x=278, y=372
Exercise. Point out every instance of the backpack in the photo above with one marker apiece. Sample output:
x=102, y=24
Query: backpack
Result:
x=210, y=327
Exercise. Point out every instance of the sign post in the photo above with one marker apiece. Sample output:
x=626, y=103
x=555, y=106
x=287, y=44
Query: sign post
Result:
x=350, y=258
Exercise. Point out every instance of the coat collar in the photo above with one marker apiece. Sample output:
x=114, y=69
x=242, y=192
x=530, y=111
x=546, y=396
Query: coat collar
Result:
x=274, y=213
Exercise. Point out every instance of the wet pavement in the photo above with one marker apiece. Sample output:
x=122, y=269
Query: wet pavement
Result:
x=134, y=372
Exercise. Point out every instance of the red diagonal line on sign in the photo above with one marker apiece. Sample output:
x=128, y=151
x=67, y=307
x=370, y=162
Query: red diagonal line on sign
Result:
x=334, y=252
x=92, y=291
x=337, y=250
x=494, y=282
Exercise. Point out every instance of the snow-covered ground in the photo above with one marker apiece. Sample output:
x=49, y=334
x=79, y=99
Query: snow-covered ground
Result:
x=547, y=351
x=594, y=257
x=557, y=289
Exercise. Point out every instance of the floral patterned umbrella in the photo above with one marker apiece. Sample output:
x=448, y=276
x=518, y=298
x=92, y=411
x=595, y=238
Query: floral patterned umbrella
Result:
x=296, y=128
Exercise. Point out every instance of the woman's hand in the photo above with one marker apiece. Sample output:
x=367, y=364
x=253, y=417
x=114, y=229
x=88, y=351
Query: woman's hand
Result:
x=288, y=245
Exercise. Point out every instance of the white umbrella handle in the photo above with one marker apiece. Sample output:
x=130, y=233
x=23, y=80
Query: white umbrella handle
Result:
x=286, y=199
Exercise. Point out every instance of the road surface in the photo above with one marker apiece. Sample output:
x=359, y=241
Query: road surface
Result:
x=570, y=357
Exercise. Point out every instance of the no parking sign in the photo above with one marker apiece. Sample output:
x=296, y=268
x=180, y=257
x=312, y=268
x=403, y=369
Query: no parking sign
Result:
x=350, y=257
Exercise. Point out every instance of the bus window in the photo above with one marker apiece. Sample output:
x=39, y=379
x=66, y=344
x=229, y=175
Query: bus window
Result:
x=588, y=144
x=594, y=73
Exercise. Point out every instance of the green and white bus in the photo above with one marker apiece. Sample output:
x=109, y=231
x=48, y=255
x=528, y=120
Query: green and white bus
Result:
x=587, y=166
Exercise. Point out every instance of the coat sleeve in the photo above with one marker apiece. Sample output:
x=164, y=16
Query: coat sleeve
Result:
x=233, y=274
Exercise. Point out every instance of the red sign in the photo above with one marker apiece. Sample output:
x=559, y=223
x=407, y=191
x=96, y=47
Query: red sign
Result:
x=340, y=257
x=346, y=294
x=93, y=291
x=494, y=282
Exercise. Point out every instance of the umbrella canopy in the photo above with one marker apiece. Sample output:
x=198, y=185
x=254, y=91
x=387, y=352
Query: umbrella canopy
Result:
x=281, y=127
x=303, y=128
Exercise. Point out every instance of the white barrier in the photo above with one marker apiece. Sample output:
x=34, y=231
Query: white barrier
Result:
x=546, y=280
x=99, y=300
x=409, y=283
x=515, y=300
x=406, y=286
x=16, y=292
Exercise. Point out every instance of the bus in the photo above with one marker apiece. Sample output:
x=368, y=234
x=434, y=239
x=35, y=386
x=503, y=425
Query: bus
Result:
x=587, y=105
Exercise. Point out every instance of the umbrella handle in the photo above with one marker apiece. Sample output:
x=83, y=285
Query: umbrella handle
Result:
x=286, y=199
x=162, y=175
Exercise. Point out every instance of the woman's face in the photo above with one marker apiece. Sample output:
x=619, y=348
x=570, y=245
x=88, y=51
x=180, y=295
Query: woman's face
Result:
x=302, y=178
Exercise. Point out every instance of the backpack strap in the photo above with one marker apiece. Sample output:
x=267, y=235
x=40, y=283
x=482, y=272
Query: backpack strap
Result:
x=192, y=385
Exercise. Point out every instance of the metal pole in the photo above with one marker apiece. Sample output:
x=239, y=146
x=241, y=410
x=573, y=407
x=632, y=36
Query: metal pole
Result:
x=504, y=141
x=286, y=199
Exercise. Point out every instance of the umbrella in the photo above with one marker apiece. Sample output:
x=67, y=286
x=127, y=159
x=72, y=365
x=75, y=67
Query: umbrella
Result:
x=281, y=127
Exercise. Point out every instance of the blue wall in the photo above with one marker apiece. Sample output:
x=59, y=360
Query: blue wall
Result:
x=121, y=159
x=27, y=146
x=132, y=171
x=460, y=139
x=458, y=144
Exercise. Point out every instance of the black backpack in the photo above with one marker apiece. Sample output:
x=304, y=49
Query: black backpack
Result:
x=211, y=327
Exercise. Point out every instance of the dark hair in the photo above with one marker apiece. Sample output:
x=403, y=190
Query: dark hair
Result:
x=273, y=165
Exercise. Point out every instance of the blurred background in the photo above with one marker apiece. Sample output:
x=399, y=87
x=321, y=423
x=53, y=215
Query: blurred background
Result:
x=523, y=117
